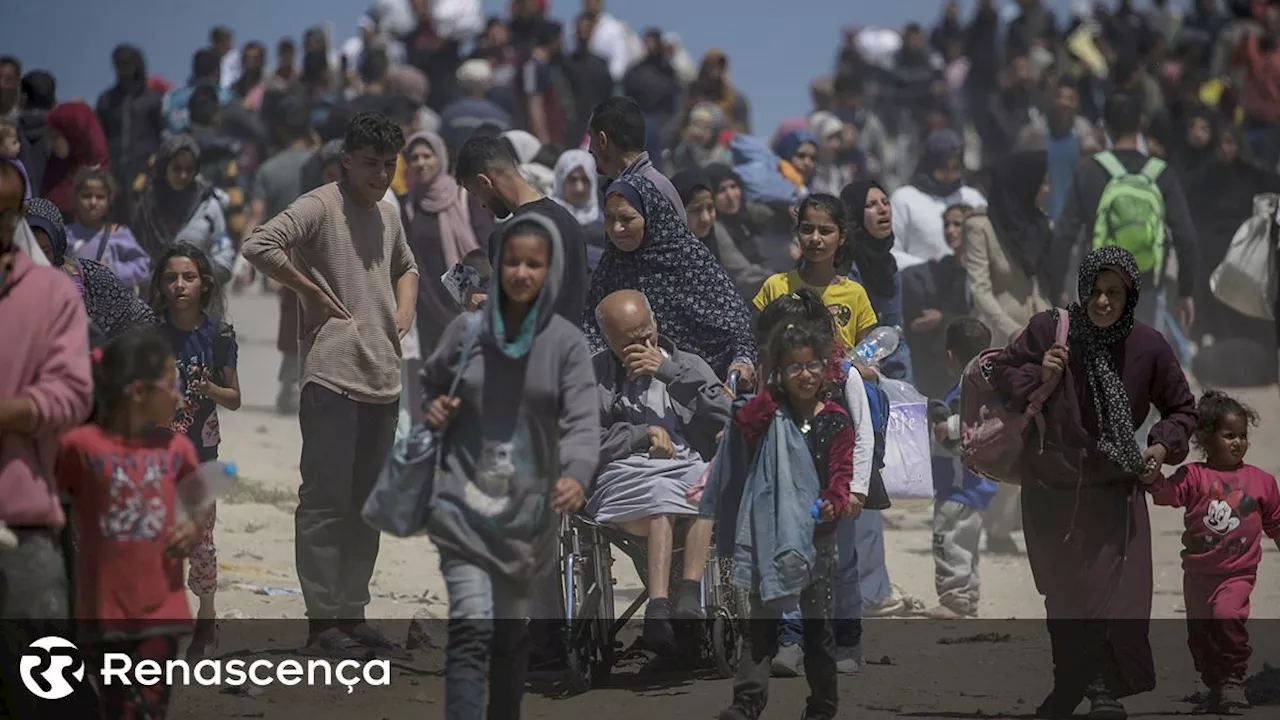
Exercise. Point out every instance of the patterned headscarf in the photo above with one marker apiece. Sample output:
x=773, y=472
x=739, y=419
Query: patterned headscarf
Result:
x=1110, y=399
x=695, y=303
x=44, y=215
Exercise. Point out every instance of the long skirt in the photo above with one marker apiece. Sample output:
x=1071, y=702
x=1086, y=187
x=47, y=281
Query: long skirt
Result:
x=1090, y=554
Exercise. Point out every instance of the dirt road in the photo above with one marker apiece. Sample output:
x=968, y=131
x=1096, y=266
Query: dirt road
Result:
x=1000, y=670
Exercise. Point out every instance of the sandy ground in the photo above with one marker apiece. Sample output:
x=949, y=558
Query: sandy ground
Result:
x=990, y=676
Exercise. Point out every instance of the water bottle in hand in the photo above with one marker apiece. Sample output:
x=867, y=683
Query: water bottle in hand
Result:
x=202, y=488
x=880, y=344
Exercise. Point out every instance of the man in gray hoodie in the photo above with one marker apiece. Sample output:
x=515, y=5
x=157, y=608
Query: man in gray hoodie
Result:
x=522, y=445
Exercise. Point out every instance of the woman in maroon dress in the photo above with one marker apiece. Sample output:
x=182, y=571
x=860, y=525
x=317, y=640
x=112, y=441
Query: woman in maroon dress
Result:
x=1088, y=534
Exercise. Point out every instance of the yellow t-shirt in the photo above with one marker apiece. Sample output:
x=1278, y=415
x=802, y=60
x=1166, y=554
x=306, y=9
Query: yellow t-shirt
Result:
x=846, y=299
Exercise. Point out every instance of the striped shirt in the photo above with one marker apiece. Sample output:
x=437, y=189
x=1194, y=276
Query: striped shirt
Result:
x=355, y=256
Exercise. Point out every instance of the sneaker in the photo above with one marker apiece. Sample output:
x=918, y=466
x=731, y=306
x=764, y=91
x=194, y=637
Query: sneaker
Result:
x=789, y=662
x=368, y=636
x=1231, y=695
x=658, y=633
x=849, y=660
x=336, y=645
x=1104, y=706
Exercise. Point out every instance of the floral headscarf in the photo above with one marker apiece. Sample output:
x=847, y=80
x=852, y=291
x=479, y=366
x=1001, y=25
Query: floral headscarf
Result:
x=44, y=215
x=695, y=303
x=1106, y=385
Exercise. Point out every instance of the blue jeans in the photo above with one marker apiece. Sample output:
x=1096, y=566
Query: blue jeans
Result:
x=861, y=579
x=487, y=637
x=873, y=574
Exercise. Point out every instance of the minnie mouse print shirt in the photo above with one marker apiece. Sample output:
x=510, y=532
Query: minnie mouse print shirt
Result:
x=1227, y=513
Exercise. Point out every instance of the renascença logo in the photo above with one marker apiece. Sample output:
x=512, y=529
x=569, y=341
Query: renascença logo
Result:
x=50, y=660
x=48, y=667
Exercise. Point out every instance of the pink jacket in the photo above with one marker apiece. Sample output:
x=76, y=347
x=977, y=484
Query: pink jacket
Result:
x=45, y=358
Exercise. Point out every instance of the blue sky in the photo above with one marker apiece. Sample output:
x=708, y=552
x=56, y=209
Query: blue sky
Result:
x=775, y=46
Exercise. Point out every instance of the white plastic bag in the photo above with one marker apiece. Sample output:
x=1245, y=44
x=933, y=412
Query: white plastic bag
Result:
x=1246, y=279
x=908, y=461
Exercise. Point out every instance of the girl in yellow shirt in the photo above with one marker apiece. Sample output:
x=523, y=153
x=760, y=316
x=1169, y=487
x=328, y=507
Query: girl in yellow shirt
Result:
x=822, y=222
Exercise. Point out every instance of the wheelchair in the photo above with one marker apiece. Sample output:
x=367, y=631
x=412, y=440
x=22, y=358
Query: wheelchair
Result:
x=592, y=631
x=586, y=565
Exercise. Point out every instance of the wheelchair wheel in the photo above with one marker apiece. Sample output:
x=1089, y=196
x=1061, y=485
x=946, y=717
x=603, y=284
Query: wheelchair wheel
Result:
x=590, y=656
x=724, y=643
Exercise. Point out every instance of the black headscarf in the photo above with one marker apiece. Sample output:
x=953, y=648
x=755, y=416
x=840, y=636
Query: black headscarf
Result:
x=1116, y=432
x=743, y=231
x=1191, y=160
x=872, y=256
x=163, y=211
x=1022, y=229
x=687, y=184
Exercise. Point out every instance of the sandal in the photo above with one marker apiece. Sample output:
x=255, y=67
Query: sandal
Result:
x=898, y=604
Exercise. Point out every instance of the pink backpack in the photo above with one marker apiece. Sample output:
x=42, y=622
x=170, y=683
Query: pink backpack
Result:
x=992, y=437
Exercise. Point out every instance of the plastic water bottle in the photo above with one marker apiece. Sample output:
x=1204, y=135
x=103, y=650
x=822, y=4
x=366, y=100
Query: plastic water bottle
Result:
x=880, y=344
x=816, y=510
x=210, y=481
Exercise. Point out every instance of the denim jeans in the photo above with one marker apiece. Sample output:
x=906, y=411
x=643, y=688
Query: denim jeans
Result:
x=487, y=638
x=873, y=574
x=861, y=578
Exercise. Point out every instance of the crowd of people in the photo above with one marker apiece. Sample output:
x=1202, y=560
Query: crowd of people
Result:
x=560, y=254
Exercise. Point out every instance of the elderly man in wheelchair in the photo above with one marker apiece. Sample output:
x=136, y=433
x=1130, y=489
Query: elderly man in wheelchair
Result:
x=661, y=411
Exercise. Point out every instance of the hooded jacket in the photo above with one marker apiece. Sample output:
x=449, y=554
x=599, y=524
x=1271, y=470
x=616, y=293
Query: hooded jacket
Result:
x=46, y=360
x=529, y=416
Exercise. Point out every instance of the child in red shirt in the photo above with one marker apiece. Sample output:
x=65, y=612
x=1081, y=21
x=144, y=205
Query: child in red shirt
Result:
x=124, y=474
x=1229, y=506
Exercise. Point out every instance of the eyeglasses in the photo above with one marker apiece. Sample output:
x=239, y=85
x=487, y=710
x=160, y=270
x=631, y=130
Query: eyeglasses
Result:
x=813, y=367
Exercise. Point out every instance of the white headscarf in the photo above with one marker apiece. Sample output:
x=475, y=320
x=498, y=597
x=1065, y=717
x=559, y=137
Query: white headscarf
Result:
x=525, y=144
x=527, y=148
x=572, y=160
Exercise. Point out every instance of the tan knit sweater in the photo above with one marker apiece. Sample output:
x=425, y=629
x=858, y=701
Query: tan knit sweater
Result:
x=355, y=256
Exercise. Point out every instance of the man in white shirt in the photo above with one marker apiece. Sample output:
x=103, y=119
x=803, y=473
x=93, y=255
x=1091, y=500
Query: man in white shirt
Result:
x=612, y=39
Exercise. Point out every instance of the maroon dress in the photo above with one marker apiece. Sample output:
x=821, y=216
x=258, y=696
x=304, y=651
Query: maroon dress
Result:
x=1088, y=533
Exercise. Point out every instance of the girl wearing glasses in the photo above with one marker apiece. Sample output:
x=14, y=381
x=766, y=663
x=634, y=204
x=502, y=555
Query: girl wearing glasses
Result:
x=799, y=390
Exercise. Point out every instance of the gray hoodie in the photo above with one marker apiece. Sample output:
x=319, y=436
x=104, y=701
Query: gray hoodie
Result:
x=529, y=416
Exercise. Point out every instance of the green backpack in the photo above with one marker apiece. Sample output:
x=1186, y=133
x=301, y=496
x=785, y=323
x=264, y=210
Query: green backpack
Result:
x=1131, y=212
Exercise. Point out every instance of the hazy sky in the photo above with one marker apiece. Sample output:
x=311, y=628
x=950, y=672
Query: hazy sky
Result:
x=775, y=46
